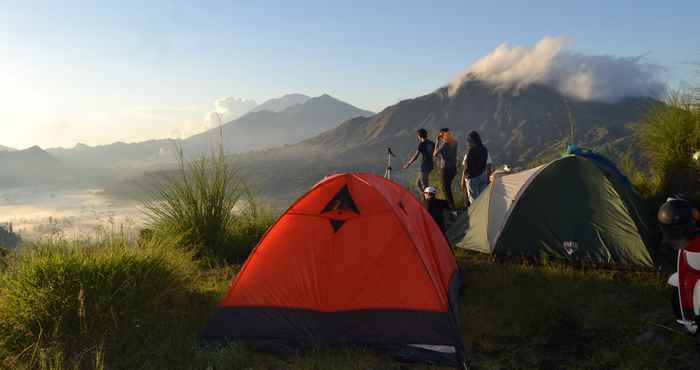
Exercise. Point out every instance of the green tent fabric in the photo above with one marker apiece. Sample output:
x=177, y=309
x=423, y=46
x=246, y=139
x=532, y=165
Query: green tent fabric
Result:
x=565, y=210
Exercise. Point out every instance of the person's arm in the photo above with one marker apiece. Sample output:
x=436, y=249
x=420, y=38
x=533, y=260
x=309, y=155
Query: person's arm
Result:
x=438, y=146
x=413, y=159
x=489, y=168
x=463, y=180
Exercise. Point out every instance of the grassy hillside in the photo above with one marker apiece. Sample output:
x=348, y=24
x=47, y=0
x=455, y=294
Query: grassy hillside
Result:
x=114, y=305
x=513, y=316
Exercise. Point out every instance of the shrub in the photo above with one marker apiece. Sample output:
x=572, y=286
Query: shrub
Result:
x=206, y=206
x=668, y=137
x=72, y=299
x=3, y=255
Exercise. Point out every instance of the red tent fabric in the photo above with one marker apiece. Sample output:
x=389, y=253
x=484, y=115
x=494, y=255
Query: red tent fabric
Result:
x=355, y=260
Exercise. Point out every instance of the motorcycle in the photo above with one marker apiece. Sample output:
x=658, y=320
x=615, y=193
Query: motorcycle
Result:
x=679, y=219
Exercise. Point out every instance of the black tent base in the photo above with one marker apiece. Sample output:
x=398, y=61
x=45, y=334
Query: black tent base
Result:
x=402, y=353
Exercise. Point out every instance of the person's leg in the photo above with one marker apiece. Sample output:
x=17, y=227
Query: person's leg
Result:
x=419, y=183
x=423, y=181
x=484, y=182
x=472, y=189
x=475, y=186
x=448, y=174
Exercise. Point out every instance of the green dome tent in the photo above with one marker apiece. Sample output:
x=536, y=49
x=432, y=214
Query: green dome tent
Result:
x=577, y=208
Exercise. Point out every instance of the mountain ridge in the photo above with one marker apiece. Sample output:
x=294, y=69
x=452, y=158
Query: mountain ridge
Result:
x=519, y=127
x=266, y=129
x=281, y=103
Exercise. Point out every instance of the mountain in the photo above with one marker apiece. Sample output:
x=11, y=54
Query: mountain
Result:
x=28, y=166
x=299, y=117
x=281, y=103
x=518, y=127
x=6, y=149
x=267, y=129
x=117, y=155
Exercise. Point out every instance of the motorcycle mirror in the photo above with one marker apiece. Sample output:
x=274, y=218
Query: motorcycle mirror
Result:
x=675, y=212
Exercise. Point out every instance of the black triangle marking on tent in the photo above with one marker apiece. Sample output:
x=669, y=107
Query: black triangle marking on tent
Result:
x=341, y=202
x=337, y=224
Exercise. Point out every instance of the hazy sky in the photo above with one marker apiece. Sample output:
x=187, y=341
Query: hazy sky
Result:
x=98, y=73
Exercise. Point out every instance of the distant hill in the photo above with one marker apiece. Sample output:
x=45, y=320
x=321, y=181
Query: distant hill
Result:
x=267, y=129
x=119, y=154
x=6, y=149
x=518, y=127
x=28, y=166
x=8, y=239
x=282, y=103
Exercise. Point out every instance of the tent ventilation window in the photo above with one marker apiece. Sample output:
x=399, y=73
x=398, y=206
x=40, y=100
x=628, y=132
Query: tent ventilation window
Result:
x=341, y=202
x=337, y=224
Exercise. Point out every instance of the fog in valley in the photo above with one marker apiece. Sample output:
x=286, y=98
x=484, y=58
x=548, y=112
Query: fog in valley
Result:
x=38, y=212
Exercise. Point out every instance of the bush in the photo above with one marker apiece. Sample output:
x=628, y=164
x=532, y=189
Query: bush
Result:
x=205, y=206
x=668, y=137
x=65, y=300
x=3, y=255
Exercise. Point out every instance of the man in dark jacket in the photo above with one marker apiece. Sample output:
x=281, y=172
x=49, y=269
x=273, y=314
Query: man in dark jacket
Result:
x=475, y=174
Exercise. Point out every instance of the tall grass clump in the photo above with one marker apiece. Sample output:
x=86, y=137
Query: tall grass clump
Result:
x=209, y=208
x=668, y=137
x=71, y=301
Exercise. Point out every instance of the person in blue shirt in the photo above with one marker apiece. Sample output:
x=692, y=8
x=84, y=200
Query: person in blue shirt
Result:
x=425, y=152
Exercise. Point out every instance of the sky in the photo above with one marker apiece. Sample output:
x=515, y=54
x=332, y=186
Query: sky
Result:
x=99, y=72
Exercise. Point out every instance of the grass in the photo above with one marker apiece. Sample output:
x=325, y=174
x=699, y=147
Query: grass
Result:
x=143, y=308
x=551, y=317
x=72, y=300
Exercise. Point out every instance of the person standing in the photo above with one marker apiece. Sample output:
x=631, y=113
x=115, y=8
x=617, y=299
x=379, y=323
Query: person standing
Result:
x=476, y=167
x=425, y=151
x=489, y=174
x=446, y=148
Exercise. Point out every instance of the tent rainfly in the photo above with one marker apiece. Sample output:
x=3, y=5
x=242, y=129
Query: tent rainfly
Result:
x=577, y=208
x=357, y=260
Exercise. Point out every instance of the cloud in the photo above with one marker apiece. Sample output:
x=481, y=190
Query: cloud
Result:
x=581, y=76
x=185, y=129
x=227, y=109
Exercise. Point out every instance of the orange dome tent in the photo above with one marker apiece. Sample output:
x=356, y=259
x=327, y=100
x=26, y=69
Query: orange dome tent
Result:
x=356, y=260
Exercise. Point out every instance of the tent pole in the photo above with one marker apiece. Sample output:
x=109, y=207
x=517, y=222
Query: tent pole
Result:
x=389, y=154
